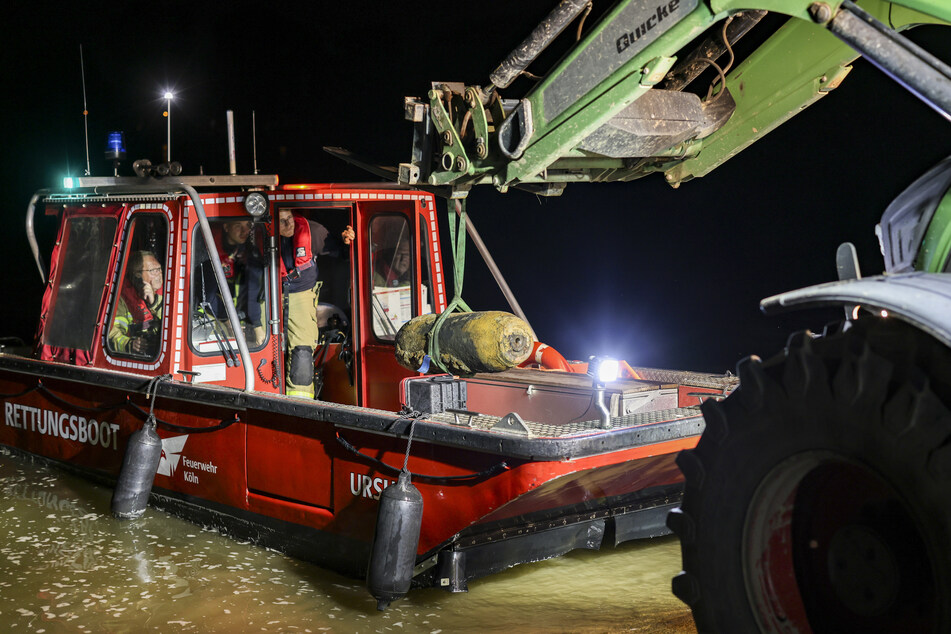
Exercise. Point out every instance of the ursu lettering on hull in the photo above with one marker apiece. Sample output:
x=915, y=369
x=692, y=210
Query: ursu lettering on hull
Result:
x=61, y=425
x=661, y=12
x=367, y=487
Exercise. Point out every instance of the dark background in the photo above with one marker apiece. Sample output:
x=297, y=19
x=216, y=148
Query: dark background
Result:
x=661, y=277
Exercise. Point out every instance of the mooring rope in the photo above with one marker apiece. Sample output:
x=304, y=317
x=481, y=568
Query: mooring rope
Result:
x=409, y=443
x=151, y=392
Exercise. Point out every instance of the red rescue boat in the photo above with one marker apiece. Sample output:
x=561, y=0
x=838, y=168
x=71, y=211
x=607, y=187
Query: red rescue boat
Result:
x=512, y=466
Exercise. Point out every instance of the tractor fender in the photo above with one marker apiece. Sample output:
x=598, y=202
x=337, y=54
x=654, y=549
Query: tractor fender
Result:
x=920, y=299
x=907, y=221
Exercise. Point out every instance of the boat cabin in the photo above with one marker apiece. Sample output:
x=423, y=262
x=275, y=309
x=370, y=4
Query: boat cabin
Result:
x=118, y=236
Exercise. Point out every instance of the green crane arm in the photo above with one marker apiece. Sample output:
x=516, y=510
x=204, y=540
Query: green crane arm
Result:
x=615, y=107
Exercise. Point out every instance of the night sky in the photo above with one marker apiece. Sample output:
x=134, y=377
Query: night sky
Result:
x=660, y=277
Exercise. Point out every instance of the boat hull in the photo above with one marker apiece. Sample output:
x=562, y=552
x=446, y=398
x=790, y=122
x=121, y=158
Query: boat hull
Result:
x=305, y=477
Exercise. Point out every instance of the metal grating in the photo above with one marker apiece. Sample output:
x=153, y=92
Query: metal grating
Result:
x=483, y=422
x=690, y=379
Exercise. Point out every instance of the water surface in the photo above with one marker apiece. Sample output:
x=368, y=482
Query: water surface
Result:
x=67, y=566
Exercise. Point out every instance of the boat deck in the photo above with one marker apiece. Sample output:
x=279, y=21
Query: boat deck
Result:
x=532, y=429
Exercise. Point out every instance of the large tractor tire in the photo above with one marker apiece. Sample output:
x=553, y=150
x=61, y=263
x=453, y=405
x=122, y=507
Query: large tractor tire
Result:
x=819, y=496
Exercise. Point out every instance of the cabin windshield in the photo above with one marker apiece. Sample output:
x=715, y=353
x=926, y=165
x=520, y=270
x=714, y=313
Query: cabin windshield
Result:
x=78, y=281
x=240, y=245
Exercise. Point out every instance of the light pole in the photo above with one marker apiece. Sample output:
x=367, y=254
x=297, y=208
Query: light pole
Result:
x=168, y=117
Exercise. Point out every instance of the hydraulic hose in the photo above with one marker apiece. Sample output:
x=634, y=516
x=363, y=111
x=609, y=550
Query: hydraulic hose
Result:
x=539, y=39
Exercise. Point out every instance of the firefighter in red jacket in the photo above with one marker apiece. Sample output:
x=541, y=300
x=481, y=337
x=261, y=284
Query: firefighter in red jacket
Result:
x=301, y=241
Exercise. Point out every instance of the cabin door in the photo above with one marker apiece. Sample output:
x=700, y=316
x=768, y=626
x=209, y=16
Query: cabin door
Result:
x=391, y=279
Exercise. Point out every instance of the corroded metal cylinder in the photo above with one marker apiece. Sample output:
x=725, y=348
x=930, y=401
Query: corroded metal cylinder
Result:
x=489, y=341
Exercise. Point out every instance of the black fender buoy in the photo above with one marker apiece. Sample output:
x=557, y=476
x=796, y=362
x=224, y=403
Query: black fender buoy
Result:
x=141, y=460
x=393, y=555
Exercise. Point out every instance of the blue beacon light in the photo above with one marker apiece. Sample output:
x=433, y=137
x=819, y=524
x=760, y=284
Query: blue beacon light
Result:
x=115, y=146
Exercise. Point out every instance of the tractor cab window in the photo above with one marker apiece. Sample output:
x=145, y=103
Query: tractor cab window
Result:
x=240, y=246
x=78, y=280
x=138, y=309
x=392, y=256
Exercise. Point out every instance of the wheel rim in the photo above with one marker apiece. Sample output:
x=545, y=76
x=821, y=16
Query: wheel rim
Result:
x=828, y=545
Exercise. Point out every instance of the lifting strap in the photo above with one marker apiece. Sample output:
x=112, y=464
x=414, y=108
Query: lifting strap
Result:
x=457, y=241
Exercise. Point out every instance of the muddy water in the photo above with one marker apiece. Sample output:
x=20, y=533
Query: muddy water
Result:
x=67, y=566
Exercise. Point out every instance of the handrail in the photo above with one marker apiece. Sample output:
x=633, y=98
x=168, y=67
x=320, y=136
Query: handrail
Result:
x=169, y=186
x=222, y=286
x=31, y=235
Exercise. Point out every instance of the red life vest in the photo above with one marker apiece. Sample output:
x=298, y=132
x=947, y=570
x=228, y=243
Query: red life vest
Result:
x=303, y=257
x=227, y=261
x=140, y=311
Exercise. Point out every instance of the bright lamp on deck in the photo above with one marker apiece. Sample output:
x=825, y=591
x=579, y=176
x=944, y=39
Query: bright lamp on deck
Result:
x=603, y=369
x=608, y=370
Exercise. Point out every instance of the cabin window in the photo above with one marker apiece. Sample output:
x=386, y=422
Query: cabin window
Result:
x=135, y=325
x=391, y=265
x=240, y=245
x=79, y=280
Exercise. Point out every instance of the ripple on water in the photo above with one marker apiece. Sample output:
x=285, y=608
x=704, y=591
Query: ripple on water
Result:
x=67, y=565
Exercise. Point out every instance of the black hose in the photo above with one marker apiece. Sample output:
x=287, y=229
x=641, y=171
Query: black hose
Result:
x=486, y=473
x=543, y=34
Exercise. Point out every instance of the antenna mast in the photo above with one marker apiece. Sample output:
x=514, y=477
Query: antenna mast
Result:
x=254, y=142
x=82, y=68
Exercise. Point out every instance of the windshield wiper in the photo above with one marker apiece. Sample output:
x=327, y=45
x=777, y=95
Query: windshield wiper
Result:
x=219, y=334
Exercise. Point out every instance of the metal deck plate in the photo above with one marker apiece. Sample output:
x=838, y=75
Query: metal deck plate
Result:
x=484, y=422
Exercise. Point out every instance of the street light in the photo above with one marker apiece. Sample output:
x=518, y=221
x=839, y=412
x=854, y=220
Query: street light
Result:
x=168, y=117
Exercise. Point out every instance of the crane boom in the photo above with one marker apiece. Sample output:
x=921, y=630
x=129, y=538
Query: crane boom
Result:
x=619, y=106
